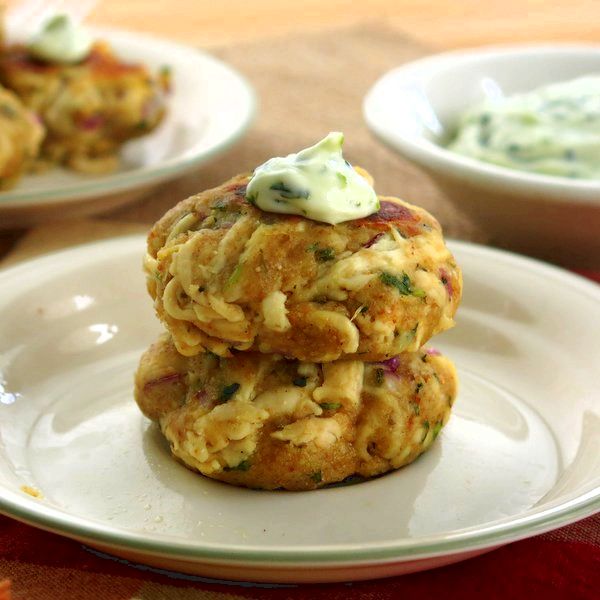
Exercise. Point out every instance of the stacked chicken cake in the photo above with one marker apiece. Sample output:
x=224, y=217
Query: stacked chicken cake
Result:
x=295, y=352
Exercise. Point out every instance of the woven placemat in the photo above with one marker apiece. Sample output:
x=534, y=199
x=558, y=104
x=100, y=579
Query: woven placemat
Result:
x=307, y=85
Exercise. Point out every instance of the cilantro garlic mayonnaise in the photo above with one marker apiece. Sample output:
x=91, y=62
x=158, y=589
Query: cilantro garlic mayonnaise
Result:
x=554, y=130
x=316, y=183
x=60, y=40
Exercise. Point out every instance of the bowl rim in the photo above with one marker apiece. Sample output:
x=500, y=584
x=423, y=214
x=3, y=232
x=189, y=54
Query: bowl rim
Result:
x=437, y=160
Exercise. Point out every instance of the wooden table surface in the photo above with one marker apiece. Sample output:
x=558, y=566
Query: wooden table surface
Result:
x=437, y=23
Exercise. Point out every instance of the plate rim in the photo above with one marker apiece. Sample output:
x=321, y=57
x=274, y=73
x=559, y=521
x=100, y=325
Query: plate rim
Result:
x=526, y=524
x=18, y=198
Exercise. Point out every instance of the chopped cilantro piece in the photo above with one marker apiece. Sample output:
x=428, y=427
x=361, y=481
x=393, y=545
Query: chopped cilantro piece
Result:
x=243, y=466
x=324, y=254
x=288, y=193
x=317, y=477
x=235, y=275
x=299, y=381
x=426, y=430
x=228, y=391
x=379, y=376
x=436, y=429
x=402, y=284
x=330, y=405
x=8, y=111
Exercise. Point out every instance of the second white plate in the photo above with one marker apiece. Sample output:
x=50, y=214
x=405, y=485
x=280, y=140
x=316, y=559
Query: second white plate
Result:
x=209, y=108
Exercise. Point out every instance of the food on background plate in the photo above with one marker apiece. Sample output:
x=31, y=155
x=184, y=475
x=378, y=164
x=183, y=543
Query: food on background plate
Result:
x=297, y=303
x=227, y=276
x=553, y=130
x=263, y=421
x=20, y=137
x=89, y=100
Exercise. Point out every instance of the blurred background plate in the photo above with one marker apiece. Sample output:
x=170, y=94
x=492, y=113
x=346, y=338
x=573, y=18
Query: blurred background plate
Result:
x=208, y=110
x=520, y=454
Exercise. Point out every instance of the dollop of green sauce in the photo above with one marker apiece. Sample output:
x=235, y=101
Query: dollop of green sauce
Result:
x=60, y=40
x=553, y=130
x=316, y=183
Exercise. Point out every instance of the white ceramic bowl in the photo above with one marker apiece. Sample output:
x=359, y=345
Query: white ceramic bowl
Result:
x=414, y=107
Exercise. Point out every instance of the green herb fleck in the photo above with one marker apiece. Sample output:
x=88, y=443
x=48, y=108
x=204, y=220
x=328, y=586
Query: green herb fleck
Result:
x=403, y=285
x=251, y=198
x=288, y=193
x=228, y=391
x=364, y=309
x=324, y=254
x=343, y=179
x=8, y=111
x=437, y=428
x=312, y=247
x=416, y=408
x=235, y=275
x=418, y=388
x=330, y=405
x=426, y=430
x=243, y=466
x=142, y=125
x=570, y=154
x=379, y=376
x=317, y=477
x=299, y=381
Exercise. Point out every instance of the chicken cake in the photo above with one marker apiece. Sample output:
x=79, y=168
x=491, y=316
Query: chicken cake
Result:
x=20, y=137
x=226, y=275
x=89, y=108
x=264, y=421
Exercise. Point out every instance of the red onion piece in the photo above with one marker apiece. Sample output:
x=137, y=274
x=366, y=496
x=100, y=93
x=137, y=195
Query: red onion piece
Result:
x=374, y=240
x=92, y=122
x=446, y=281
x=171, y=378
x=432, y=352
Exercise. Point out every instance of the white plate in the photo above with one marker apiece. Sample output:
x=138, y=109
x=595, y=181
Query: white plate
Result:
x=520, y=455
x=209, y=108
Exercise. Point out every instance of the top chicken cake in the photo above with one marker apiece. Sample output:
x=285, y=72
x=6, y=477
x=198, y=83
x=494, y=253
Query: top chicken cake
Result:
x=227, y=276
